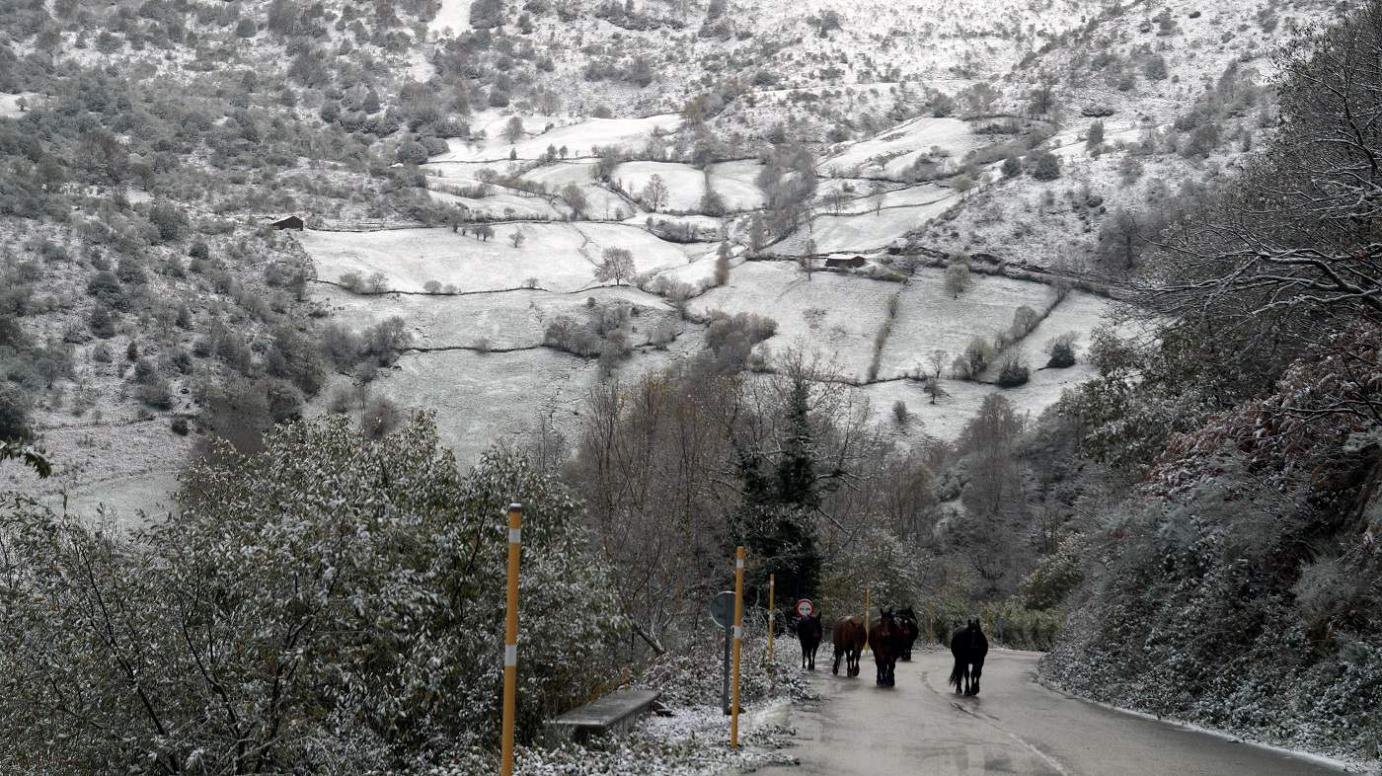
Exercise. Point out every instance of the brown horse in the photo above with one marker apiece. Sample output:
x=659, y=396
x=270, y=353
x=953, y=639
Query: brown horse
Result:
x=850, y=638
x=809, y=634
x=886, y=639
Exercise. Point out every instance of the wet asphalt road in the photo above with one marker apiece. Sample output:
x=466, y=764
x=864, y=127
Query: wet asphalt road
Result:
x=1016, y=726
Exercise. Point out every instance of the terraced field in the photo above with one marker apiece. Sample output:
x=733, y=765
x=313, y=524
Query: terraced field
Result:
x=480, y=311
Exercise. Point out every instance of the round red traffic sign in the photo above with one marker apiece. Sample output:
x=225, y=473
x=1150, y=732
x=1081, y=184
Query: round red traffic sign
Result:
x=805, y=608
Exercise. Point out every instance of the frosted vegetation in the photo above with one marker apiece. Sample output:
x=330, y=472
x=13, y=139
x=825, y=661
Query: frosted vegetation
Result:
x=1062, y=314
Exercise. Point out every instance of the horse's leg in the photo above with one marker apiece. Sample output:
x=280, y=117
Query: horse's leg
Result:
x=978, y=671
x=836, y=668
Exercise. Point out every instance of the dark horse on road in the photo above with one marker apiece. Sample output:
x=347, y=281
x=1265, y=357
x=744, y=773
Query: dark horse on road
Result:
x=907, y=620
x=850, y=637
x=809, y=632
x=969, y=646
x=886, y=639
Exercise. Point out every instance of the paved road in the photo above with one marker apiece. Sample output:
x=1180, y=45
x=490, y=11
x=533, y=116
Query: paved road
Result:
x=920, y=728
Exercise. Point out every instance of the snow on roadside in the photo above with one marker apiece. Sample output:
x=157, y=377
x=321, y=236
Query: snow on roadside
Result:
x=689, y=737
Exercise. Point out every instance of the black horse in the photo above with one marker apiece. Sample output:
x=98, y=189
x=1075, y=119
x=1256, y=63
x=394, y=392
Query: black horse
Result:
x=969, y=646
x=885, y=639
x=809, y=632
x=907, y=620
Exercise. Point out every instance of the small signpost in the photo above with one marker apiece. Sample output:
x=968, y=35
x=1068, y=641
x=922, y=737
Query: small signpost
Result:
x=866, y=618
x=772, y=611
x=805, y=608
x=722, y=613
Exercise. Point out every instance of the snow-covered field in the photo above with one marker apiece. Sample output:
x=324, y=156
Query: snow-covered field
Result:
x=452, y=18
x=9, y=103
x=866, y=231
x=511, y=294
x=501, y=204
x=832, y=315
x=685, y=184
x=501, y=321
x=557, y=257
x=737, y=184
x=579, y=139
x=929, y=318
x=889, y=154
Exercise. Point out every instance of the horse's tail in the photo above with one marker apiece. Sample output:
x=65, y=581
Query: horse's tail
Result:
x=957, y=675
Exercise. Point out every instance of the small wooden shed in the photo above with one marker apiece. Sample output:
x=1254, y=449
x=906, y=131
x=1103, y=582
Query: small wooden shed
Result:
x=291, y=222
x=853, y=262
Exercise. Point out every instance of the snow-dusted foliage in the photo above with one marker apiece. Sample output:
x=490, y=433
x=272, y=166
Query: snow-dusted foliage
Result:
x=1229, y=605
x=330, y=605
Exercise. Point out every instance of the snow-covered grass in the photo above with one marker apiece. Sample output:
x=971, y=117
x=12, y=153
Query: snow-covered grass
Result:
x=865, y=231
x=892, y=152
x=502, y=204
x=1077, y=315
x=482, y=400
x=9, y=103
x=737, y=184
x=579, y=139
x=559, y=257
x=124, y=464
x=685, y=184
x=410, y=258
x=601, y=203
x=691, y=736
x=836, y=316
x=929, y=318
x=500, y=321
x=452, y=18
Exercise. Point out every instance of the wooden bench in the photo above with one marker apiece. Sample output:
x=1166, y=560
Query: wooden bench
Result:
x=612, y=712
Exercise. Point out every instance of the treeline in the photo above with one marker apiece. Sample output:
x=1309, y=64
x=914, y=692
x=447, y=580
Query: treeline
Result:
x=1232, y=461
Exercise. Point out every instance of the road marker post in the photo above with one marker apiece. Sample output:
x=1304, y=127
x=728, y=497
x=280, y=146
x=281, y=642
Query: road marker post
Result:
x=511, y=641
x=866, y=620
x=772, y=613
x=738, y=639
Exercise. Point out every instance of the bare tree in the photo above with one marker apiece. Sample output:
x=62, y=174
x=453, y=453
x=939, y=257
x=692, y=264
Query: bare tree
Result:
x=1298, y=234
x=616, y=264
x=957, y=278
x=655, y=193
x=574, y=198
x=937, y=359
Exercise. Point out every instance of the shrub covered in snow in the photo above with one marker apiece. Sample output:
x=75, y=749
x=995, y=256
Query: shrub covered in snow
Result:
x=329, y=604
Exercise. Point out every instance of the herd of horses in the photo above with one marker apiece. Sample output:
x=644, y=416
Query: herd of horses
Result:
x=891, y=638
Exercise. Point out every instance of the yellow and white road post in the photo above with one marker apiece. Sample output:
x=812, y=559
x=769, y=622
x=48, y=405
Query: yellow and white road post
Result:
x=739, y=555
x=511, y=641
x=772, y=590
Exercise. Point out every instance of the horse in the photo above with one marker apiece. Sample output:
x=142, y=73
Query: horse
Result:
x=850, y=637
x=907, y=619
x=969, y=646
x=809, y=632
x=886, y=639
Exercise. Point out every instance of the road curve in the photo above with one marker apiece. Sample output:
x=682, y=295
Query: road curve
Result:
x=1018, y=727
